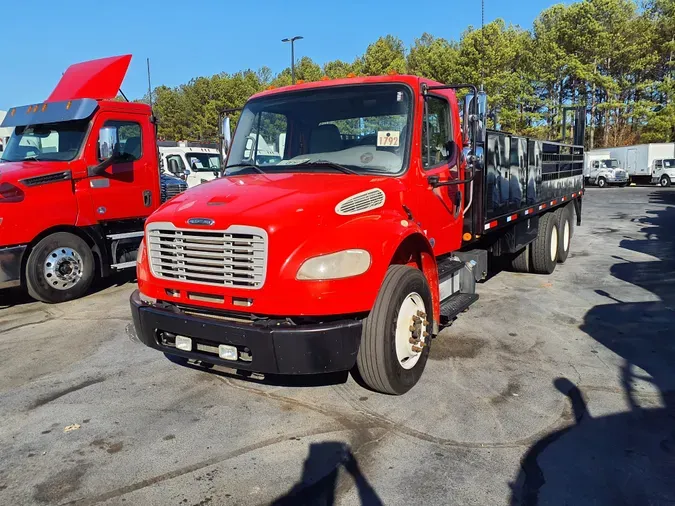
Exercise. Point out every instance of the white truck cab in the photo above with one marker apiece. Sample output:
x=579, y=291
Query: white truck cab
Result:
x=602, y=170
x=663, y=172
x=198, y=164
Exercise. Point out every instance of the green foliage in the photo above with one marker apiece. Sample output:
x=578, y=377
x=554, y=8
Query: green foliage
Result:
x=614, y=57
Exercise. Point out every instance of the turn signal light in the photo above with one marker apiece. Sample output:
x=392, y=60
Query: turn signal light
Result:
x=10, y=193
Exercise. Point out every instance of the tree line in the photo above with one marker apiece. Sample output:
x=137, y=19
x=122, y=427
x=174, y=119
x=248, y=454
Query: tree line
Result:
x=614, y=57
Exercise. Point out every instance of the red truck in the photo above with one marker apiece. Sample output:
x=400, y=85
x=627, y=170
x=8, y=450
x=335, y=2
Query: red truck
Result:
x=362, y=241
x=78, y=177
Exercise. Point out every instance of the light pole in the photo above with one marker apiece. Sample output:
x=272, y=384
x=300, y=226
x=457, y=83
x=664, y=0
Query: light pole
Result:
x=292, y=41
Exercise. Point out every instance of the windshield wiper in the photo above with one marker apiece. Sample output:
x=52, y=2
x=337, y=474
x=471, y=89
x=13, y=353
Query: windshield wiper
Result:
x=246, y=166
x=326, y=163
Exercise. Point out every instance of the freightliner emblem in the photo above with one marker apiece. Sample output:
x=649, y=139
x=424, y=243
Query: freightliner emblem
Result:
x=201, y=221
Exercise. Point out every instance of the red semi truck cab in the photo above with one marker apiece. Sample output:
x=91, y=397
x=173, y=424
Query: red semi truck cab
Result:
x=78, y=178
x=360, y=242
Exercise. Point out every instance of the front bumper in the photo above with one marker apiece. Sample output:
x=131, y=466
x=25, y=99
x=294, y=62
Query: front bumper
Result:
x=299, y=349
x=10, y=266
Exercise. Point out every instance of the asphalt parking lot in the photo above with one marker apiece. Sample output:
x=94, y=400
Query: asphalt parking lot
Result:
x=551, y=390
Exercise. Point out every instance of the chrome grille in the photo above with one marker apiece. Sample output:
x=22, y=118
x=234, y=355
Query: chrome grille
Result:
x=169, y=191
x=236, y=257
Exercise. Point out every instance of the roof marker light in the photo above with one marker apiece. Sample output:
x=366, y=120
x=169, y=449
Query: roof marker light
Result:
x=68, y=104
x=351, y=75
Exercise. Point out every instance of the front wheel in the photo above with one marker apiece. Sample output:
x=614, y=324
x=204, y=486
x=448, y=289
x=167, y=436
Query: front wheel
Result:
x=60, y=267
x=602, y=182
x=397, y=333
x=664, y=181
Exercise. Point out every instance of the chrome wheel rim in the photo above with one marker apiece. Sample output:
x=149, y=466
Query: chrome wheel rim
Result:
x=411, y=335
x=63, y=268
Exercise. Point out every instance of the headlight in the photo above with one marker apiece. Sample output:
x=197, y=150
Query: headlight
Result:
x=343, y=264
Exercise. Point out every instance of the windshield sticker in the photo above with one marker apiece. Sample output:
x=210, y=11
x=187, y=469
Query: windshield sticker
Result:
x=195, y=162
x=388, y=138
x=366, y=158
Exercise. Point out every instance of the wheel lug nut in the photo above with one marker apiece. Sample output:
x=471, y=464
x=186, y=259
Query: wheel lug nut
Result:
x=425, y=334
x=417, y=349
x=422, y=314
x=412, y=340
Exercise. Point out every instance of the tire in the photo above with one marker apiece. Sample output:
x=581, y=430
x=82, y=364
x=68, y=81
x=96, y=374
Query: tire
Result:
x=378, y=362
x=664, y=181
x=602, y=182
x=68, y=277
x=565, y=228
x=521, y=261
x=545, y=247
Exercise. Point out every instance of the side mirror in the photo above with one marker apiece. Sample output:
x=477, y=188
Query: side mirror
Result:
x=107, y=143
x=173, y=166
x=216, y=173
x=453, y=151
x=475, y=112
x=107, y=150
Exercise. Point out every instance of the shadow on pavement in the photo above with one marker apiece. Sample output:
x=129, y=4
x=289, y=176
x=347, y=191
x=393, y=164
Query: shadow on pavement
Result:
x=13, y=297
x=626, y=458
x=318, y=483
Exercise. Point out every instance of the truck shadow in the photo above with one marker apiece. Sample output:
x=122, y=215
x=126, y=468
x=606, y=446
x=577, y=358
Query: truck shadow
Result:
x=625, y=458
x=318, y=484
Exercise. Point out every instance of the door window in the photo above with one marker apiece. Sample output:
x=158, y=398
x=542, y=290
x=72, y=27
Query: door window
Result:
x=128, y=143
x=435, y=132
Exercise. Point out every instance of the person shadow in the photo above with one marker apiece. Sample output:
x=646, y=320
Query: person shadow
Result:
x=318, y=484
x=628, y=457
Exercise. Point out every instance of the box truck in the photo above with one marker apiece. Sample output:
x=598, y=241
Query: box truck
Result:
x=639, y=161
x=603, y=170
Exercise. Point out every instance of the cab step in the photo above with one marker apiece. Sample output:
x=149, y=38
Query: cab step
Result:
x=123, y=265
x=455, y=304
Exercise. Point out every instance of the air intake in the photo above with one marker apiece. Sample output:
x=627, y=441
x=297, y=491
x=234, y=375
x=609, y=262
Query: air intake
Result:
x=361, y=202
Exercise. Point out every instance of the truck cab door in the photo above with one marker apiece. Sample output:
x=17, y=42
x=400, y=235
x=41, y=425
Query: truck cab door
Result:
x=441, y=161
x=129, y=188
x=658, y=169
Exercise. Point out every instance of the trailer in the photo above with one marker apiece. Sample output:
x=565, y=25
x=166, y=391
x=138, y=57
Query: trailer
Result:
x=639, y=161
x=362, y=241
x=602, y=170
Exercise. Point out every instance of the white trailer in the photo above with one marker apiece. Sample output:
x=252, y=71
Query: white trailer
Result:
x=639, y=161
x=603, y=170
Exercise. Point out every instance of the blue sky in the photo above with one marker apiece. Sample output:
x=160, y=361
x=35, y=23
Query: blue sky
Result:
x=186, y=39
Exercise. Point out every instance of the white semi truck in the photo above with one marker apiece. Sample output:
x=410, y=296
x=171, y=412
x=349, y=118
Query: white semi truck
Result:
x=602, y=170
x=640, y=161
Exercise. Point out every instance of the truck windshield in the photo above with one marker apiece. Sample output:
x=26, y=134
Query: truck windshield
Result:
x=361, y=128
x=203, y=162
x=609, y=164
x=54, y=142
x=669, y=164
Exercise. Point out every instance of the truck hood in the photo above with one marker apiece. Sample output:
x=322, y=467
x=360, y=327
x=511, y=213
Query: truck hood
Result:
x=270, y=201
x=13, y=172
x=98, y=79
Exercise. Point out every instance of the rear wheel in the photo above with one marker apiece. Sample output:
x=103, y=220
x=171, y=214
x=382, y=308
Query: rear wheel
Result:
x=397, y=333
x=521, y=262
x=59, y=268
x=664, y=181
x=602, y=182
x=545, y=246
x=565, y=232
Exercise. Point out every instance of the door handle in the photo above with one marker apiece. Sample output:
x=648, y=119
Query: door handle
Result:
x=458, y=202
x=147, y=198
